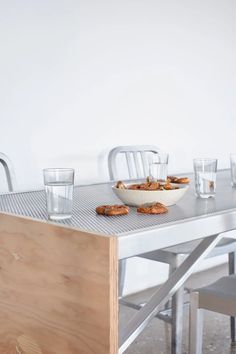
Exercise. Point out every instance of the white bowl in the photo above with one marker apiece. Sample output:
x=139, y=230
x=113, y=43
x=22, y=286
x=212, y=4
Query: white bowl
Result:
x=139, y=197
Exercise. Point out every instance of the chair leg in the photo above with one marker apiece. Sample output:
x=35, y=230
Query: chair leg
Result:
x=177, y=313
x=177, y=322
x=232, y=270
x=195, y=325
x=122, y=271
x=172, y=268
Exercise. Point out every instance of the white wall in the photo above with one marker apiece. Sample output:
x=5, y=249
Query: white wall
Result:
x=78, y=77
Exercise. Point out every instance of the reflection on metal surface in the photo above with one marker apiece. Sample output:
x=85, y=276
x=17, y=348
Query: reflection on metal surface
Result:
x=87, y=198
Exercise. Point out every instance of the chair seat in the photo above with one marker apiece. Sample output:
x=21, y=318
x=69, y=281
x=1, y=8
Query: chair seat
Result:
x=226, y=245
x=219, y=296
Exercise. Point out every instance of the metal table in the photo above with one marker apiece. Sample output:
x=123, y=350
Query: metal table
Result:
x=136, y=234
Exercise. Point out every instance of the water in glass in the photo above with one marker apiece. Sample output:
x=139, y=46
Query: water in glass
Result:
x=59, y=183
x=205, y=184
x=158, y=171
x=158, y=168
x=205, y=177
x=59, y=200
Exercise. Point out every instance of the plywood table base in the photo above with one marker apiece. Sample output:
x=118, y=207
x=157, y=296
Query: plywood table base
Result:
x=58, y=289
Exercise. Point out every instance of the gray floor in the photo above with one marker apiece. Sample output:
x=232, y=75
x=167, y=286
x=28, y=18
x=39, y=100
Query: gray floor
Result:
x=156, y=337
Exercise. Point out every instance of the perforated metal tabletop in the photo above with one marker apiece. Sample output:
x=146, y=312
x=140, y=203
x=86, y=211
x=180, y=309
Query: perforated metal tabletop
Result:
x=87, y=198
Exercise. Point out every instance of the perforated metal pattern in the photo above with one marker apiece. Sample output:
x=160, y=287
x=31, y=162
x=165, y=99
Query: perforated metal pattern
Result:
x=87, y=198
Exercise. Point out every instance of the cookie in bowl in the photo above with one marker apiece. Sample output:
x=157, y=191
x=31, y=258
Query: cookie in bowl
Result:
x=137, y=194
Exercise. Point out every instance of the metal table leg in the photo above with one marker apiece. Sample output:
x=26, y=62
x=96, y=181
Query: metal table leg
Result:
x=137, y=324
x=177, y=314
x=232, y=270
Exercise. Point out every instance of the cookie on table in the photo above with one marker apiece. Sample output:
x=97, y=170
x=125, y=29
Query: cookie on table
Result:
x=156, y=208
x=112, y=210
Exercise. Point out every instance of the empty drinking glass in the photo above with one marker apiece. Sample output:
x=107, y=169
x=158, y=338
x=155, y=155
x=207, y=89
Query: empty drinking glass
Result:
x=59, y=183
x=158, y=169
x=205, y=177
x=233, y=169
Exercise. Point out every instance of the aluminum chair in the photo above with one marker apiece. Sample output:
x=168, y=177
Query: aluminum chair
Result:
x=217, y=297
x=137, y=163
x=9, y=172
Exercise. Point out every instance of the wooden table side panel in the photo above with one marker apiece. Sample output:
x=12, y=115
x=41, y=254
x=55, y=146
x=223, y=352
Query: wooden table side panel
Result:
x=58, y=289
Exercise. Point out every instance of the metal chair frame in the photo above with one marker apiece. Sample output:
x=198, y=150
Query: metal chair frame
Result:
x=9, y=172
x=217, y=297
x=172, y=256
x=132, y=153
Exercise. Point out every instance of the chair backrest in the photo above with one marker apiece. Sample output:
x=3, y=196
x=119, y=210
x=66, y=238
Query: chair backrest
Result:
x=9, y=171
x=137, y=160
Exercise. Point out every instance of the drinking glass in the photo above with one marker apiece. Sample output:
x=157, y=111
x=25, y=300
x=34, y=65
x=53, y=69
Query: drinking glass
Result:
x=233, y=169
x=158, y=169
x=205, y=177
x=59, y=183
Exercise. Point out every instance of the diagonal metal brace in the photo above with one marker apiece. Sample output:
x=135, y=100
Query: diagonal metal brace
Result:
x=136, y=325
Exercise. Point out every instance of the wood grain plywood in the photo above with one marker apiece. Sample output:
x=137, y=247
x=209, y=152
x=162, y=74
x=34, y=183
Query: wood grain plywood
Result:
x=58, y=289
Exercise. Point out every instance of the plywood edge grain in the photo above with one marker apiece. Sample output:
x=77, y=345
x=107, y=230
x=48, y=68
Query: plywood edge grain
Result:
x=49, y=222
x=114, y=310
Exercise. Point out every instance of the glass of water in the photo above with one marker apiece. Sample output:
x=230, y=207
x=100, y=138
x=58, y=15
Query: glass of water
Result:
x=158, y=169
x=59, y=183
x=205, y=177
x=233, y=169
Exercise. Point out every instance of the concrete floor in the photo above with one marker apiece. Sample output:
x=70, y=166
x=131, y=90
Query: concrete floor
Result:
x=155, y=339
